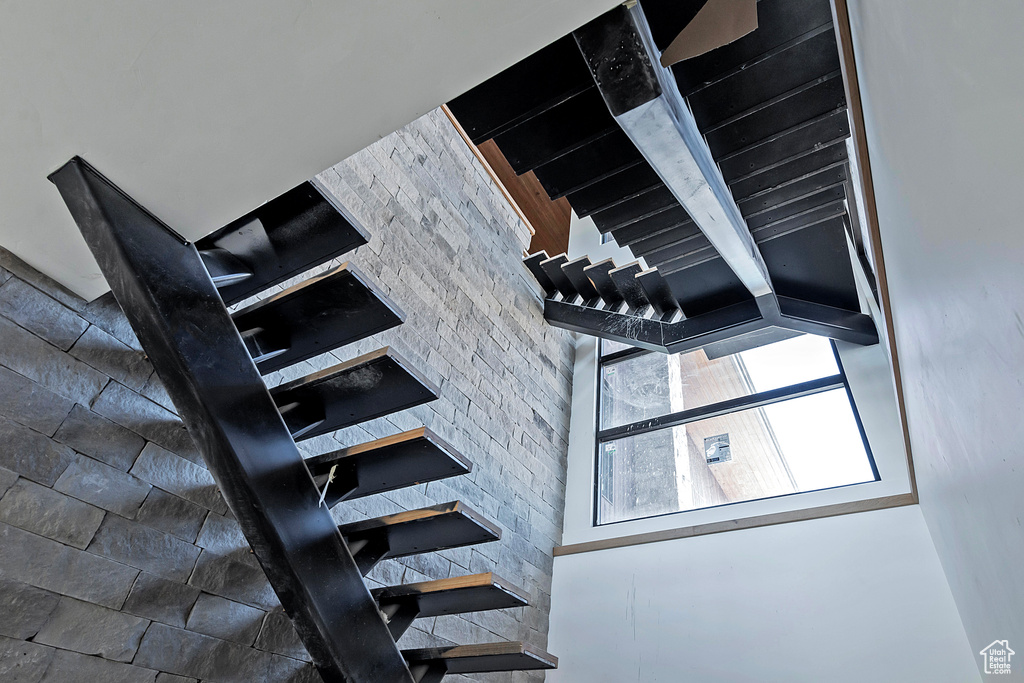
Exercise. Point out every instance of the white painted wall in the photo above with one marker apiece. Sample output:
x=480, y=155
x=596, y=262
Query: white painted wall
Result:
x=204, y=110
x=844, y=600
x=943, y=89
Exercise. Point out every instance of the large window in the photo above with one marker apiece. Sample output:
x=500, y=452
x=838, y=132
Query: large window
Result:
x=685, y=432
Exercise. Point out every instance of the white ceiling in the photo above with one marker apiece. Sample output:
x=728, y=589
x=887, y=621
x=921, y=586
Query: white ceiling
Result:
x=203, y=110
x=944, y=95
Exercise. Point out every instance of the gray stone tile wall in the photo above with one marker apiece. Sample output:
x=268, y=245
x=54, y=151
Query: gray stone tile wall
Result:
x=119, y=560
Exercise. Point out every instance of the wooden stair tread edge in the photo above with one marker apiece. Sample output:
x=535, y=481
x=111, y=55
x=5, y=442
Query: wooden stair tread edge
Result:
x=599, y=276
x=365, y=388
x=574, y=270
x=552, y=267
x=320, y=465
x=414, y=532
x=625, y=280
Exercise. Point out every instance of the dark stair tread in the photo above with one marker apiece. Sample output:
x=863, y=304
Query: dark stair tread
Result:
x=559, y=130
x=668, y=218
x=678, y=249
x=640, y=206
x=794, y=189
x=779, y=22
x=523, y=90
x=302, y=228
x=387, y=464
x=787, y=145
x=821, y=96
x=532, y=263
x=803, y=60
x=580, y=282
x=690, y=260
x=615, y=189
x=370, y=386
x=632, y=291
x=482, y=658
x=795, y=207
x=657, y=291
x=604, y=157
x=439, y=527
x=552, y=267
x=790, y=169
x=799, y=221
x=458, y=595
x=603, y=283
x=320, y=314
x=688, y=232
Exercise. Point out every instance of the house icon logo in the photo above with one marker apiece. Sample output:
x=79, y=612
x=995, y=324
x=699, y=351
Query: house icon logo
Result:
x=997, y=657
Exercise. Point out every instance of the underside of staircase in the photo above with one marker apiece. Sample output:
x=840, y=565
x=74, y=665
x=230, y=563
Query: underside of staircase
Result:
x=727, y=173
x=175, y=294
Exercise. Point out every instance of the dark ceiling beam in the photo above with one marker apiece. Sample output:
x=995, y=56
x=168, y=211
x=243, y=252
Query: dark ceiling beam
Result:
x=826, y=321
x=731, y=324
x=645, y=101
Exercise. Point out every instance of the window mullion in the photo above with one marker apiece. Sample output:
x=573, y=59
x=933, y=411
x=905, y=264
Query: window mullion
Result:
x=722, y=408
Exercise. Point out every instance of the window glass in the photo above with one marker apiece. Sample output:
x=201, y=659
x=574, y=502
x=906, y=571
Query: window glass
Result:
x=608, y=346
x=655, y=384
x=795, y=445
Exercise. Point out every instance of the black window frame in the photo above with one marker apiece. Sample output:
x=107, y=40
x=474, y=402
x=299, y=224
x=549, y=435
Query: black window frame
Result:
x=670, y=420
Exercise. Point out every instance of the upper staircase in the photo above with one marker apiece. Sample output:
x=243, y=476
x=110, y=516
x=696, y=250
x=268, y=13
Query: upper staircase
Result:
x=727, y=173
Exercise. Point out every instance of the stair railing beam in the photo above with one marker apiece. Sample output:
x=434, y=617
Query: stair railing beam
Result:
x=645, y=101
x=732, y=322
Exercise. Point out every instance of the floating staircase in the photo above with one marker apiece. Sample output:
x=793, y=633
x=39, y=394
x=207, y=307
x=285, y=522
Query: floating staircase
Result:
x=175, y=295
